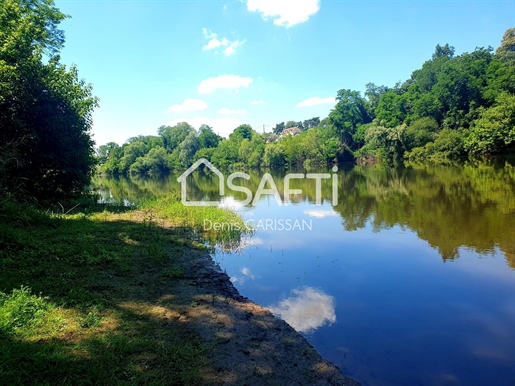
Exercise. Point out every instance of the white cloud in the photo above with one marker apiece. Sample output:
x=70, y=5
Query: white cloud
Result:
x=189, y=105
x=214, y=42
x=315, y=101
x=208, y=34
x=226, y=111
x=321, y=213
x=208, y=86
x=222, y=126
x=231, y=49
x=285, y=13
x=307, y=309
x=259, y=102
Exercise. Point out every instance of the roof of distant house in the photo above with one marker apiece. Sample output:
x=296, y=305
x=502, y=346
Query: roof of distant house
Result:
x=291, y=131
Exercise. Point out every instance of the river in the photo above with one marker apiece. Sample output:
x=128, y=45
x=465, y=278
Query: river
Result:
x=400, y=276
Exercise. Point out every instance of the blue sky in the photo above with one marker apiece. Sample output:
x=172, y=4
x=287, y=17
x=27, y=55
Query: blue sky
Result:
x=260, y=62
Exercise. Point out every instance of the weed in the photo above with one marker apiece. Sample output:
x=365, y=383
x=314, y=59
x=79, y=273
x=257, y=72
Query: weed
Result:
x=91, y=320
x=21, y=309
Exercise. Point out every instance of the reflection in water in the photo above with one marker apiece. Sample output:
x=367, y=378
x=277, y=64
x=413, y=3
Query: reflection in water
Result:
x=470, y=205
x=245, y=274
x=320, y=213
x=306, y=310
x=409, y=319
x=230, y=203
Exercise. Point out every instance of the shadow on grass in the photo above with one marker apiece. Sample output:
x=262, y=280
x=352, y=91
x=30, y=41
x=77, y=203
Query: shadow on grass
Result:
x=131, y=300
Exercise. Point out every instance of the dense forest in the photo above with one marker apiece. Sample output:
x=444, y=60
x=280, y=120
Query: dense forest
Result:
x=452, y=107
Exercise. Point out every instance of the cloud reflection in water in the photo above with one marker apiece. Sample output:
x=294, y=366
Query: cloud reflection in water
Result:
x=321, y=213
x=306, y=309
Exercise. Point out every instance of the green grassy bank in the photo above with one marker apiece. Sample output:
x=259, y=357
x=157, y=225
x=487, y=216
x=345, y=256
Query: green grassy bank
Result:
x=66, y=280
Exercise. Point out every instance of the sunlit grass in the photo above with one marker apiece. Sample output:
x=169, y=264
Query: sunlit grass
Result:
x=63, y=278
x=199, y=219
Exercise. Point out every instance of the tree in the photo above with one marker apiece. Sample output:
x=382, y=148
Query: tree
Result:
x=494, y=130
x=274, y=155
x=242, y=132
x=188, y=148
x=154, y=162
x=226, y=153
x=278, y=129
x=506, y=51
x=173, y=136
x=207, y=137
x=311, y=123
x=45, y=109
x=349, y=113
x=372, y=95
x=290, y=124
x=391, y=108
x=109, y=150
x=131, y=153
x=447, y=51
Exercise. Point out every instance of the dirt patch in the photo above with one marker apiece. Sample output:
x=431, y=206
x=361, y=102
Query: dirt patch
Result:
x=246, y=344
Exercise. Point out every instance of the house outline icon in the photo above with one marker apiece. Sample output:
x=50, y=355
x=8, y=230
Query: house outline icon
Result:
x=191, y=169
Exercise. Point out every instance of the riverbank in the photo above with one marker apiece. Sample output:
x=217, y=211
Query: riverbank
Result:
x=132, y=296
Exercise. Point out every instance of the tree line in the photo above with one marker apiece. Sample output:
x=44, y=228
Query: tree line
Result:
x=465, y=204
x=452, y=107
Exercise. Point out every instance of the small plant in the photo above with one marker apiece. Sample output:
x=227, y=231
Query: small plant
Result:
x=21, y=309
x=91, y=320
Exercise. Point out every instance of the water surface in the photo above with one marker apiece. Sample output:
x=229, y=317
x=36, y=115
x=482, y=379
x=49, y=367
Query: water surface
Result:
x=408, y=280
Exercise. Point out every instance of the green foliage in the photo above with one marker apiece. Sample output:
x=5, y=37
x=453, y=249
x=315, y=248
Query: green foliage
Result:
x=451, y=107
x=391, y=109
x=100, y=326
x=311, y=123
x=173, y=136
x=349, y=113
x=188, y=148
x=207, y=138
x=226, y=154
x=242, y=132
x=274, y=156
x=21, y=309
x=420, y=132
x=506, y=51
x=46, y=150
x=278, y=129
x=449, y=145
x=494, y=130
x=156, y=161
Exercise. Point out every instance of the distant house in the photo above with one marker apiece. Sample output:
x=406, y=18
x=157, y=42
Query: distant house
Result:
x=271, y=138
x=290, y=131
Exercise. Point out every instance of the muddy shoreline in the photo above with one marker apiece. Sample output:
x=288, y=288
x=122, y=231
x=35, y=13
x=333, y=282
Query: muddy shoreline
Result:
x=248, y=344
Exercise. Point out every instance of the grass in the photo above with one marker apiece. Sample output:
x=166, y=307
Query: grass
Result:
x=65, y=277
x=200, y=220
